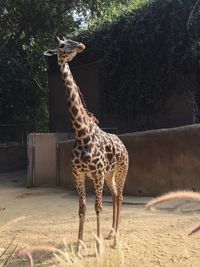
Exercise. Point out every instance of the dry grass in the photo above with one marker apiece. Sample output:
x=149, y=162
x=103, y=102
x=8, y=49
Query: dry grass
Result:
x=7, y=254
x=107, y=256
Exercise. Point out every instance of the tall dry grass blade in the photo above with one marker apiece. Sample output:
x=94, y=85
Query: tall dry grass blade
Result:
x=69, y=257
x=9, y=245
x=65, y=255
x=10, y=255
x=98, y=249
x=106, y=257
x=176, y=195
x=60, y=260
x=194, y=230
x=16, y=220
x=83, y=244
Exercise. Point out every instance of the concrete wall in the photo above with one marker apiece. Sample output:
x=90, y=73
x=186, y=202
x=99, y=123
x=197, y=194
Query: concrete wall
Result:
x=13, y=157
x=160, y=161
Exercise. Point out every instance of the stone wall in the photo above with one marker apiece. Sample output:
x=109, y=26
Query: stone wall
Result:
x=160, y=161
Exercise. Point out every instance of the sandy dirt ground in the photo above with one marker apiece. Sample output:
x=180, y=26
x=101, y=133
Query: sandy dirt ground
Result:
x=47, y=216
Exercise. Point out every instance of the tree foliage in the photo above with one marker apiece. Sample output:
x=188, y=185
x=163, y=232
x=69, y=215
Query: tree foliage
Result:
x=27, y=28
x=145, y=46
x=148, y=54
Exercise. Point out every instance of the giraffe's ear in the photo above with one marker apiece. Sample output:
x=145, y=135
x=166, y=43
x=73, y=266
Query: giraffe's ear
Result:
x=50, y=52
x=58, y=39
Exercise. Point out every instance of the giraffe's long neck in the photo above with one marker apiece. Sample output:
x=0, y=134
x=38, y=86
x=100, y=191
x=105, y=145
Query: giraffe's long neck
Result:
x=81, y=122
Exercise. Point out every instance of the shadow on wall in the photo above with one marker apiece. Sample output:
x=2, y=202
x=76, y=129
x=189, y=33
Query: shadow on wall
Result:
x=160, y=161
x=13, y=157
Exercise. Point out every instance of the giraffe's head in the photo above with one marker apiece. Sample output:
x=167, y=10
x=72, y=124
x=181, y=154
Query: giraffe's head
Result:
x=66, y=51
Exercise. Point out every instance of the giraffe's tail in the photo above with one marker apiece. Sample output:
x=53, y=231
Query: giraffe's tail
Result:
x=187, y=195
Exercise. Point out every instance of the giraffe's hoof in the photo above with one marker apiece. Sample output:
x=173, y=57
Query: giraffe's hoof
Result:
x=111, y=235
x=79, y=248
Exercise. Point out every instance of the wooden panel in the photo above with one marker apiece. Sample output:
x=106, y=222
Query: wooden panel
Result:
x=30, y=158
x=45, y=160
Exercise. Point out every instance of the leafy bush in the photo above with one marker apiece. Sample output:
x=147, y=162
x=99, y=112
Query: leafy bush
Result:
x=148, y=54
x=27, y=28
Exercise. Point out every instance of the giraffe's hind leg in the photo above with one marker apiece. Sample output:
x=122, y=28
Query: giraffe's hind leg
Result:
x=110, y=181
x=120, y=178
x=98, y=185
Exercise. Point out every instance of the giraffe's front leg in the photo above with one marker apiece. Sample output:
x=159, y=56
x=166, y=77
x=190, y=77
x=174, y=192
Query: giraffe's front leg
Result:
x=98, y=185
x=80, y=187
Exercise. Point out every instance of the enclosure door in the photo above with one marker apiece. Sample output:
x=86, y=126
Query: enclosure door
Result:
x=42, y=160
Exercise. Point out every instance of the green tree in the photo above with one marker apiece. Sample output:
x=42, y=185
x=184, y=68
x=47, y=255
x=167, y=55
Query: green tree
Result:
x=27, y=28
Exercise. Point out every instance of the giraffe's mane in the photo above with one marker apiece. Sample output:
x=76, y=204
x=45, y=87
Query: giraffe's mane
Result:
x=90, y=114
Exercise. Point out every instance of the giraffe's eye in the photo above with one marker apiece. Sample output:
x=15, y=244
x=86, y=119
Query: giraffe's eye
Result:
x=72, y=45
x=61, y=45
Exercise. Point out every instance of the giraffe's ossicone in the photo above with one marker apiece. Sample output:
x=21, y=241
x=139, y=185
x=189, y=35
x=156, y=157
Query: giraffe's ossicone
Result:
x=97, y=155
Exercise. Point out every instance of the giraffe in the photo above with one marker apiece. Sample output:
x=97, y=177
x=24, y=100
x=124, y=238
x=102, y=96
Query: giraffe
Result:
x=96, y=154
x=185, y=195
